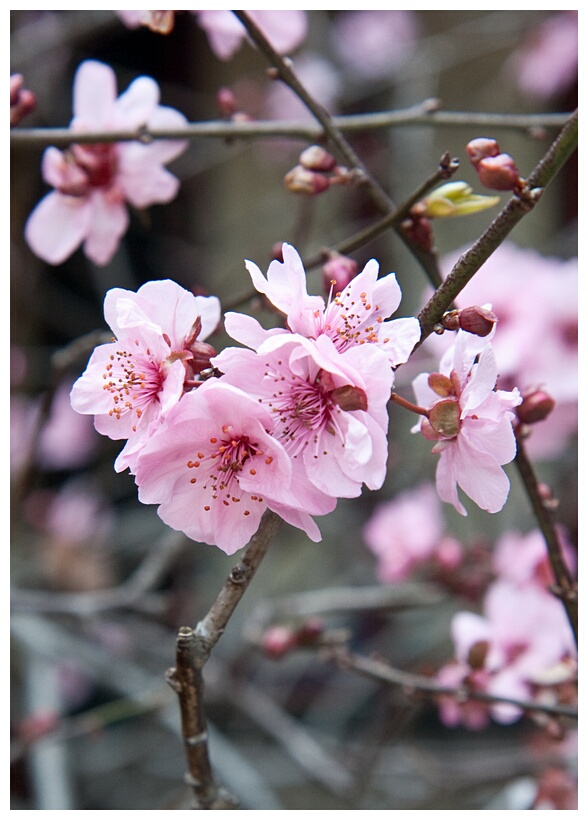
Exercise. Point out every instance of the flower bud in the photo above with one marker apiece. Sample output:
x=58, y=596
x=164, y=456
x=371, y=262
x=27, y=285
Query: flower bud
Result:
x=277, y=641
x=480, y=149
x=317, y=158
x=302, y=181
x=417, y=230
x=22, y=101
x=455, y=199
x=202, y=353
x=226, y=102
x=477, y=320
x=535, y=407
x=338, y=272
x=499, y=173
x=310, y=631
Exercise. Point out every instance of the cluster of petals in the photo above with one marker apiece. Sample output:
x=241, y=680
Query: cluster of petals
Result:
x=131, y=383
x=285, y=30
x=214, y=467
x=329, y=407
x=93, y=182
x=521, y=641
x=470, y=422
x=357, y=316
x=407, y=531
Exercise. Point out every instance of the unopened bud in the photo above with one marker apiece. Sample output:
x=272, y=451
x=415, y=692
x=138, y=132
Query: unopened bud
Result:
x=302, y=181
x=480, y=149
x=277, y=641
x=477, y=320
x=455, y=199
x=202, y=353
x=310, y=631
x=226, y=102
x=22, y=101
x=338, y=272
x=418, y=230
x=535, y=407
x=317, y=158
x=499, y=173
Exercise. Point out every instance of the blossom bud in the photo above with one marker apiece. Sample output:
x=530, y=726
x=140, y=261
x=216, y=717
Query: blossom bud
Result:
x=202, y=353
x=477, y=320
x=277, y=641
x=302, y=181
x=418, y=230
x=535, y=407
x=317, y=158
x=499, y=173
x=455, y=199
x=338, y=272
x=444, y=417
x=480, y=149
x=226, y=102
x=310, y=631
x=22, y=101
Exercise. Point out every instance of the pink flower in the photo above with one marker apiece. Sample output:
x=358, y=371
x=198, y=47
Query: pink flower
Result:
x=536, y=344
x=522, y=636
x=213, y=468
x=471, y=423
x=352, y=318
x=131, y=383
x=94, y=181
x=329, y=407
x=523, y=559
x=407, y=531
x=285, y=30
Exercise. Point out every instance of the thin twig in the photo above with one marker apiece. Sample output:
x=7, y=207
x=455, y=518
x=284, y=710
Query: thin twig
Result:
x=380, y=671
x=421, y=115
x=565, y=588
x=516, y=208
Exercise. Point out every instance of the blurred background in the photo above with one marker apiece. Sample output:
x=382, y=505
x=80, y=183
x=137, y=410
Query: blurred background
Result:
x=101, y=585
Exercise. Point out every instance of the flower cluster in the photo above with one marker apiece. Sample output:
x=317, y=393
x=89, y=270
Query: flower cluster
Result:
x=520, y=643
x=291, y=423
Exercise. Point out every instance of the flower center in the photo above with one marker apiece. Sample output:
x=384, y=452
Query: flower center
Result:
x=217, y=467
x=134, y=380
x=345, y=321
x=98, y=162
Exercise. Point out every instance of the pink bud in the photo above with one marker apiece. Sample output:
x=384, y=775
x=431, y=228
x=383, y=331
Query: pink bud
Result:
x=302, y=181
x=535, y=407
x=310, y=631
x=22, y=101
x=277, y=641
x=481, y=148
x=226, y=102
x=418, y=231
x=338, y=272
x=477, y=320
x=202, y=353
x=317, y=158
x=449, y=553
x=499, y=173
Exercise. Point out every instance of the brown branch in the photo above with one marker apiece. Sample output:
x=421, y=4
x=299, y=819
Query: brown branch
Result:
x=565, y=587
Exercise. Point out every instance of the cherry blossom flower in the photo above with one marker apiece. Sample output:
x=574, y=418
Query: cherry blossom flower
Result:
x=132, y=382
x=93, y=181
x=376, y=45
x=536, y=345
x=522, y=558
x=471, y=423
x=285, y=30
x=214, y=468
x=407, y=531
x=353, y=317
x=329, y=406
x=522, y=640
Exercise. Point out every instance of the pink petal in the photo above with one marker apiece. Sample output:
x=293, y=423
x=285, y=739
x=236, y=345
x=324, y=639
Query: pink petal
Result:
x=57, y=226
x=109, y=222
x=137, y=104
x=94, y=94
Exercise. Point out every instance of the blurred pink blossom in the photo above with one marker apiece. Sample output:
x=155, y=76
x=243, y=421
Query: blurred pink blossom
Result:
x=285, y=30
x=471, y=423
x=522, y=640
x=536, y=343
x=318, y=76
x=353, y=317
x=407, y=531
x=131, y=383
x=547, y=63
x=94, y=181
x=214, y=468
x=522, y=558
x=375, y=44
